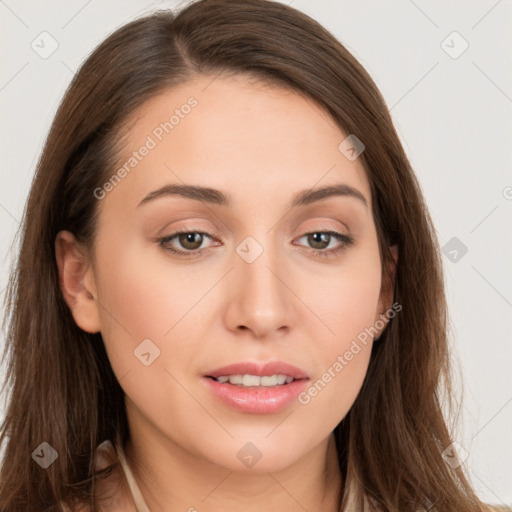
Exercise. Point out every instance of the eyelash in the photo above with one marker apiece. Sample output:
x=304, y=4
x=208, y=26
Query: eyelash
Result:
x=347, y=241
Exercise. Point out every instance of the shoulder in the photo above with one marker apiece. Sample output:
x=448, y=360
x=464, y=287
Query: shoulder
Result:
x=112, y=493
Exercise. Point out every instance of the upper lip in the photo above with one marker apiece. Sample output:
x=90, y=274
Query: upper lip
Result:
x=261, y=369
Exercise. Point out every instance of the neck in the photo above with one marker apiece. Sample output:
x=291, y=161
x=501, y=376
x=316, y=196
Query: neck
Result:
x=171, y=478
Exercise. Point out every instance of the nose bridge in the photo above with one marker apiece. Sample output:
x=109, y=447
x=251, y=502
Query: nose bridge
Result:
x=262, y=301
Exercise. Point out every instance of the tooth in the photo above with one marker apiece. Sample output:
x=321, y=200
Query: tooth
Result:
x=251, y=380
x=269, y=381
x=255, y=380
x=236, y=379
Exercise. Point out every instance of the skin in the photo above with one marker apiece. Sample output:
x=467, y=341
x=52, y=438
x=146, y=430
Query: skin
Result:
x=260, y=144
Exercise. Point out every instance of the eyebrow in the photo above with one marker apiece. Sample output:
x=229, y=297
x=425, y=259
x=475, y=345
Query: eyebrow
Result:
x=216, y=197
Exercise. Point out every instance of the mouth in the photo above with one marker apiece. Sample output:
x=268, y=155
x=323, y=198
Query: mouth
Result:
x=272, y=373
x=254, y=381
x=257, y=388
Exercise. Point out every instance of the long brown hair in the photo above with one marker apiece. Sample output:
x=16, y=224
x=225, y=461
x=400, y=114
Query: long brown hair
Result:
x=62, y=388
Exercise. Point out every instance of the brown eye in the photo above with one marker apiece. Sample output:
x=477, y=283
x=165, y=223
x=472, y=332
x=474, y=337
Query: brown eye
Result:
x=191, y=241
x=319, y=240
x=185, y=243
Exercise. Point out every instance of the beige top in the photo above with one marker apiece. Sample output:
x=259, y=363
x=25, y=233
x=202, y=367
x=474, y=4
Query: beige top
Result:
x=138, y=499
x=141, y=506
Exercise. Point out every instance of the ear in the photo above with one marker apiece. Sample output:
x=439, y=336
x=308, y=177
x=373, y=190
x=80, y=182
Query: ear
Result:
x=387, y=288
x=77, y=282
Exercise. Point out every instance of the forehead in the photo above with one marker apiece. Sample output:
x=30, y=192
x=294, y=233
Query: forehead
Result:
x=236, y=133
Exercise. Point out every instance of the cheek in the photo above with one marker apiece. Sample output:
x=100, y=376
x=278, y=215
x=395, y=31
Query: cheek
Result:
x=141, y=292
x=332, y=393
x=343, y=357
x=138, y=301
x=141, y=302
x=347, y=305
x=346, y=298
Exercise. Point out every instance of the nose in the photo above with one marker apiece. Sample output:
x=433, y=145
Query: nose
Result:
x=260, y=299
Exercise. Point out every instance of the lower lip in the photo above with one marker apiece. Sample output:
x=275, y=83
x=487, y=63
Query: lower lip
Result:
x=257, y=400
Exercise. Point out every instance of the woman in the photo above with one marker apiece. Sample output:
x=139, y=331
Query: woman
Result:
x=229, y=294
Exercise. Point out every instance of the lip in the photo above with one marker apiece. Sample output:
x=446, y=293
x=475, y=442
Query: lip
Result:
x=256, y=400
x=261, y=399
x=260, y=369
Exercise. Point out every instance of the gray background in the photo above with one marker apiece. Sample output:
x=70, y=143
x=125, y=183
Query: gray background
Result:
x=453, y=114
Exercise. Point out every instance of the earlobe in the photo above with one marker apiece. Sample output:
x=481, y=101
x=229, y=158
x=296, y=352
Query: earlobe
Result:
x=76, y=280
x=393, y=249
x=387, y=290
x=394, y=252
x=389, y=284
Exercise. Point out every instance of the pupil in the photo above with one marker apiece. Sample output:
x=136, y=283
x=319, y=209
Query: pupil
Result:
x=319, y=238
x=189, y=238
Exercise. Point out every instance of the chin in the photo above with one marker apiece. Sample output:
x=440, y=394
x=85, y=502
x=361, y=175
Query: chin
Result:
x=252, y=457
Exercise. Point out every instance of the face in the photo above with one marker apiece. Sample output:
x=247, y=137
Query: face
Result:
x=257, y=278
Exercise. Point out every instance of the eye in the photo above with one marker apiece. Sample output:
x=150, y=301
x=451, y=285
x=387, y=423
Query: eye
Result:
x=320, y=240
x=191, y=241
